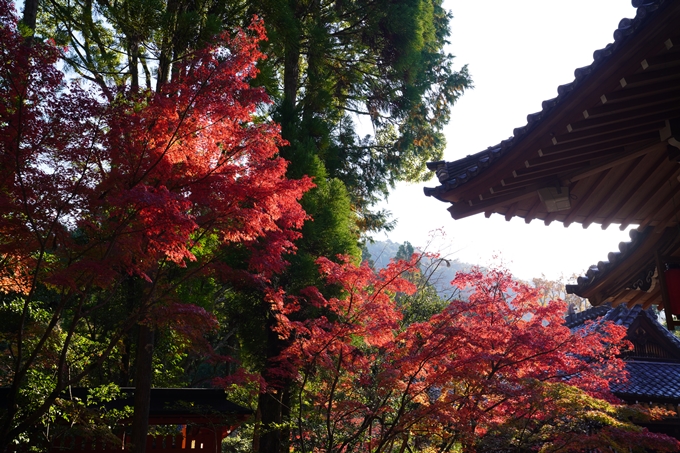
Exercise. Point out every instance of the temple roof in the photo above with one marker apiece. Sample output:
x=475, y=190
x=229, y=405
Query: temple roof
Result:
x=650, y=382
x=630, y=276
x=604, y=151
x=654, y=364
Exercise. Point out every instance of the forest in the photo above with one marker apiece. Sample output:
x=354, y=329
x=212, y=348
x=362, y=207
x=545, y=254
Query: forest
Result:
x=185, y=193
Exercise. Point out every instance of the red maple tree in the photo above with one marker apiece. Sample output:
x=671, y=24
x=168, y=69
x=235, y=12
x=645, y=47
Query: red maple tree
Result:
x=102, y=187
x=495, y=371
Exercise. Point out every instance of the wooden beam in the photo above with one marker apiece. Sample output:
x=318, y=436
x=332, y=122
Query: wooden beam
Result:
x=608, y=142
x=662, y=59
x=650, y=76
x=531, y=174
x=650, y=193
x=597, y=167
x=633, y=187
x=572, y=158
x=652, y=122
x=670, y=107
x=584, y=197
x=619, y=298
x=630, y=93
x=513, y=184
x=635, y=299
x=672, y=213
x=462, y=209
x=532, y=211
x=614, y=190
x=510, y=213
x=549, y=218
x=631, y=104
x=612, y=108
x=648, y=303
x=658, y=207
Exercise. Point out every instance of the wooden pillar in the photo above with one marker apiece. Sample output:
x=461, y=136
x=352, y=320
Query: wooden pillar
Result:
x=665, y=297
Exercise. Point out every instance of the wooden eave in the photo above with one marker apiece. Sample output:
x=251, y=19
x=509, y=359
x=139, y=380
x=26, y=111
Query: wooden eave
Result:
x=621, y=279
x=612, y=141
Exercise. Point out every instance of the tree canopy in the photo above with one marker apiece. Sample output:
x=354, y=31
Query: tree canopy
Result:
x=497, y=371
x=111, y=201
x=177, y=209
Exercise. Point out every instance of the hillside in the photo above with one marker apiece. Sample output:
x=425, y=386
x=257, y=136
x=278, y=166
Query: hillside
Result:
x=381, y=252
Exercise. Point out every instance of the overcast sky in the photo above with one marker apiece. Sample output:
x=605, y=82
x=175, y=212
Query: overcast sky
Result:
x=517, y=52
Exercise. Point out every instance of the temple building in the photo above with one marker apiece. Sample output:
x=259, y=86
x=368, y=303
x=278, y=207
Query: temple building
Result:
x=605, y=151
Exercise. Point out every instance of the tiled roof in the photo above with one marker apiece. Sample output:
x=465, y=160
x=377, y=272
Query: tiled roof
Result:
x=454, y=174
x=630, y=276
x=578, y=319
x=650, y=382
x=622, y=316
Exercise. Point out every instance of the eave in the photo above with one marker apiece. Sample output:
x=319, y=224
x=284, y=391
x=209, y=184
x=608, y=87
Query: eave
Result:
x=611, y=138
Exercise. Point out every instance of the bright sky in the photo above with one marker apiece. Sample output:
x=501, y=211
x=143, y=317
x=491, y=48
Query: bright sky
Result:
x=518, y=52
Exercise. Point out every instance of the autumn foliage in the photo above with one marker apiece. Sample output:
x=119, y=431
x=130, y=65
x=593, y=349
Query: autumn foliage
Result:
x=117, y=196
x=114, y=199
x=496, y=371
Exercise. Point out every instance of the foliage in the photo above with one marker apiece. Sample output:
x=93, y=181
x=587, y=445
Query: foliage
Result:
x=113, y=199
x=440, y=269
x=381, y=61
x=554, y=289
x=330, y=65
x=498, y=370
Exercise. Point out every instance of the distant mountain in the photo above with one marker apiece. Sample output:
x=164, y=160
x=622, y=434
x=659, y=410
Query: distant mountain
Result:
x=443, y=271
x=382, y=252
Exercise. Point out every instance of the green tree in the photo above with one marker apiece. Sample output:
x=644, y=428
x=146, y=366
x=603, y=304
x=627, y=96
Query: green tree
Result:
x=109, y=208
x=333, y=63
x=424, y=302
x=331, y=66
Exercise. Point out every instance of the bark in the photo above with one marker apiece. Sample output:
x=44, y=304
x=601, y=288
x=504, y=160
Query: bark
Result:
x=273, y=406
x=291, y=66
x=274, y=409
x=140, y=419
x=30, y=13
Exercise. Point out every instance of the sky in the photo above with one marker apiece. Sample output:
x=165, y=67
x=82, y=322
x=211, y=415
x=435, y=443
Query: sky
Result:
x=518, y=52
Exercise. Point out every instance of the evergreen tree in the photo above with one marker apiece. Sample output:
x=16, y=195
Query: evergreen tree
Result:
x=331, y=65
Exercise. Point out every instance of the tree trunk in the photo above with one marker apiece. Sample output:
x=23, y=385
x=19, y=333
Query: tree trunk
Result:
x=273, y=406
x=274, y=409
x=30, y=13
x=144, y=359
x=291, y=65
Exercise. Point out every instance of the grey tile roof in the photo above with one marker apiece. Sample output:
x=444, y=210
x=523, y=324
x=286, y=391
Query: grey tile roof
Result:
x=454, y=174
x=575, y=320
x=622, y=316
x=650, y=382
